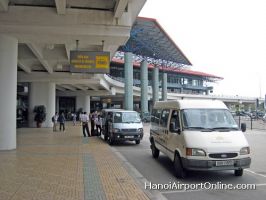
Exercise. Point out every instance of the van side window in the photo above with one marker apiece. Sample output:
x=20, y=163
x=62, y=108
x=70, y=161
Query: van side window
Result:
x=155, y=118
x=164, y=118
x=153, y=114
x=175, y=119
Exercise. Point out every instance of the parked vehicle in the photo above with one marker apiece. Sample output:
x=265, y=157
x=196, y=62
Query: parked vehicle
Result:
x=106, y=117
x=198, y=135
x=124, y=125
x=145, y=117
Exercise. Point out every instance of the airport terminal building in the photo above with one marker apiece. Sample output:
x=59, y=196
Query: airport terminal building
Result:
x=137, y=63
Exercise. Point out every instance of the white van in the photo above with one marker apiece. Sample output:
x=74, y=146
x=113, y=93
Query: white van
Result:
x=198, y=135
x=124, y=125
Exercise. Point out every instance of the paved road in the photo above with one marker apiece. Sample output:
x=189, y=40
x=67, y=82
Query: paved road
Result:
x=161, y=171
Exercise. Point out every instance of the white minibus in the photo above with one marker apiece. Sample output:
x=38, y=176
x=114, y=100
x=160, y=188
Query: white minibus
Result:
x=198, y=135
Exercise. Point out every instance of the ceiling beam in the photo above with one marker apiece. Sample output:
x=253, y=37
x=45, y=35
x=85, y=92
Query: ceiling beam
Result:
x=120, y=7
x=69, y=87
x=58, y=87
x=60, y=7
x=57, y=77
x=88, y=92
x=81, y=87
x=22, y=66
x=104, y=84
x=37, y=51
x=4, y=5
x=94, y=87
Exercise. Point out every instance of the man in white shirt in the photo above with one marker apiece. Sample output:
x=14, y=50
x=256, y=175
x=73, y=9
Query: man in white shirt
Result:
x=54, y=120
x=85, y=126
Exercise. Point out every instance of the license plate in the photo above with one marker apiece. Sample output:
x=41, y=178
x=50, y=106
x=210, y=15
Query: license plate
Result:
x=224, y=163
x=129, y=136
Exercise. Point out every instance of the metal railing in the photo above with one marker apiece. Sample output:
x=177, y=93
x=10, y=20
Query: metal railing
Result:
x=251, y=123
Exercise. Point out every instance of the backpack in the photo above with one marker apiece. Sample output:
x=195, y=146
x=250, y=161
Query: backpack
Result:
x=53, y=119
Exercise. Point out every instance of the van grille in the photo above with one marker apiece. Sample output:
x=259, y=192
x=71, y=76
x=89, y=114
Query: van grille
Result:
x=129, y=130
x=223, y=155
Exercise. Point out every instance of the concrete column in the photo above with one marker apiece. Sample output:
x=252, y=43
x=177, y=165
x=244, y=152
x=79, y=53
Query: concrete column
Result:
x=42, y=93
x=128, y=81
x=83, y=102
x=87, y=103
x=144, y=86
x=164, y=87
x=8, y=91
x=155, y=84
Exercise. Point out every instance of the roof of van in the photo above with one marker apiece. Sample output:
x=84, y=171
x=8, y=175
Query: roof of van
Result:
x=125, y=111
x=187, y=103
x=111, y=109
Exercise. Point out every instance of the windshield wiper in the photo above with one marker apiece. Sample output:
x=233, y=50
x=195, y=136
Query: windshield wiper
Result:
x=224, y=128
x=200, y=127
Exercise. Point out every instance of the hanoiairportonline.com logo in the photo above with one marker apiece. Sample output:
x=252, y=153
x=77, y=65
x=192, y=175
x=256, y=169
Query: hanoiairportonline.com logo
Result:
x=198, y=186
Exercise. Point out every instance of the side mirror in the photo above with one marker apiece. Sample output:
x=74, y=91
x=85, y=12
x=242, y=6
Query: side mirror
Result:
x=243, y=127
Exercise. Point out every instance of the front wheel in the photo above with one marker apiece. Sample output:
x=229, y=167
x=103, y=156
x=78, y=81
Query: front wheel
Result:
x=105, y=136
x=137, y=141
x=180, y=171
x=239, y=172
x=155, y=152
x=110, y=140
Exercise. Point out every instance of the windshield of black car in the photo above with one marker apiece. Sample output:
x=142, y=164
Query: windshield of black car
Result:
x=209, y=119
x=126, y=117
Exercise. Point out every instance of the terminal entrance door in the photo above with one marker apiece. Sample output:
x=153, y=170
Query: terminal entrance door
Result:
x=67, y=105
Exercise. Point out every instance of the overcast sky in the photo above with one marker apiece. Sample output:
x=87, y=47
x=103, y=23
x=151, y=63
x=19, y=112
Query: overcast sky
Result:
x=226, y=38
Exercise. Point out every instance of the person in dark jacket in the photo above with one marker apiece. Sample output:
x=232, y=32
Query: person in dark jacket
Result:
x=61, y=120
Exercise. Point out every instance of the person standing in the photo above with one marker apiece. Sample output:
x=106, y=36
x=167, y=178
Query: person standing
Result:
x=92, y=118
x=98, y=122
x=62, y=120
x=54, y=120
x=74, y=119
x=85, y=125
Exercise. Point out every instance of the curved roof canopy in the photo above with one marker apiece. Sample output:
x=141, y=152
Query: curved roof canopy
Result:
x=148, y=39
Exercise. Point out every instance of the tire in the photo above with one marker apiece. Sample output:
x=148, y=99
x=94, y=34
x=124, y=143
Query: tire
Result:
x=137, y=141
x=155, y=152
x=110, y=140
x=180, y=171
x=105, y=137
x=239, y=172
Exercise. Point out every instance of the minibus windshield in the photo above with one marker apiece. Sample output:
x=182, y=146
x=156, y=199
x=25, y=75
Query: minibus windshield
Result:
x=208, y=119
x=126, y=117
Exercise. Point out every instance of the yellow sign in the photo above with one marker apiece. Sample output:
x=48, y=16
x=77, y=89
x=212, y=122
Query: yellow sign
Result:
x=91, y=62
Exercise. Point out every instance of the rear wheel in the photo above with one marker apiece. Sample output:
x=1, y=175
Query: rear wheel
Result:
x=155, y=152
x=180, y=171
x=239, y=172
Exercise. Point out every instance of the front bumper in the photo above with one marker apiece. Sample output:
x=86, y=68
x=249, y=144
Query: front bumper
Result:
x=209, y=165
x=127, y=136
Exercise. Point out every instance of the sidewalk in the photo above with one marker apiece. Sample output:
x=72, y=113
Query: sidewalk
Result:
x=55, y=165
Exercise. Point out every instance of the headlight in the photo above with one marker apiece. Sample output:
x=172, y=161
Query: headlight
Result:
x=244, y=151
x=140, y=130
x=195, y=152
x=116, y=130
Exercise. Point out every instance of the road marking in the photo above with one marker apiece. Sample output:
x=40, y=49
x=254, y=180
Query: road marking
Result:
x=255, y=173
